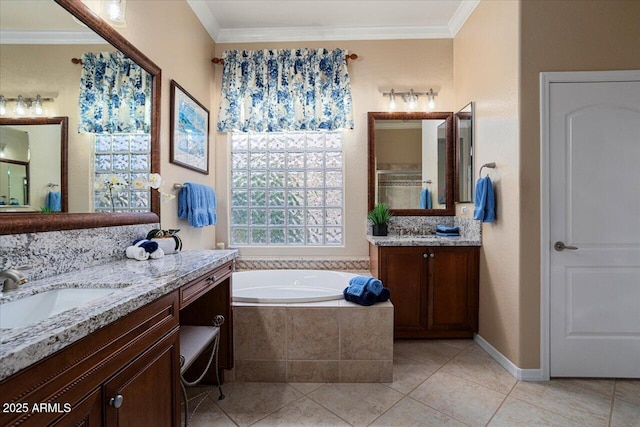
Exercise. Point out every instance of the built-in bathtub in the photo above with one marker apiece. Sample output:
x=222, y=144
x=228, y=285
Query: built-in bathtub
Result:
x=289, y=286
x=295, y=326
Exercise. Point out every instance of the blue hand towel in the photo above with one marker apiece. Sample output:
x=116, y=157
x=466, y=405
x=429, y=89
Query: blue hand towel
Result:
x=445, y=229
x=425, y=199
x=484, y=208
x=360, y=284
x=441, y=234
x=197, y=203
x=54, y=201
x=367, y=298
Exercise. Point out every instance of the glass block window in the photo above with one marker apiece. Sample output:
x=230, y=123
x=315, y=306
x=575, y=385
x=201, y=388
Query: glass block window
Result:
x=127, y=156
x=287, y=189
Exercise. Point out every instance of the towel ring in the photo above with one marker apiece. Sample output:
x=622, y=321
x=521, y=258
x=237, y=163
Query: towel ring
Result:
x=491, y=165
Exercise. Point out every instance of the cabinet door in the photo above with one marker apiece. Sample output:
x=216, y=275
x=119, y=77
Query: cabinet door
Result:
x=453, y=290
x=87, y=413
x=403, y=271
x=145, y=391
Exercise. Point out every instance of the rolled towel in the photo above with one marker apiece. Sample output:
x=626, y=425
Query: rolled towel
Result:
x=168, y=245
x=445, y=229
x=384, y=295
x=136, y=252
x=367, y=298
x=157, y=254
x=359, y=284
x=147, y=245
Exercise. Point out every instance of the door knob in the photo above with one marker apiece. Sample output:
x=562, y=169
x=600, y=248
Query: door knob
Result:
x=560, y=246
x=116, y=402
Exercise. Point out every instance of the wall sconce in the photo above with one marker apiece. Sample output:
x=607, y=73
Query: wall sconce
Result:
x=22, y=105
x=411, y=98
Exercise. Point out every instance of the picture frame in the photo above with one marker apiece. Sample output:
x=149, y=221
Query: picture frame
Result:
x=189, y=131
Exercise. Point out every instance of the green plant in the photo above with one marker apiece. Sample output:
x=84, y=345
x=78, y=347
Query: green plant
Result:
x=46, y=210
x=380, y=214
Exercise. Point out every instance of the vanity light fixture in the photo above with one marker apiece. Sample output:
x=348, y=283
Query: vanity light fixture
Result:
x=411, y=98
x=22, y=105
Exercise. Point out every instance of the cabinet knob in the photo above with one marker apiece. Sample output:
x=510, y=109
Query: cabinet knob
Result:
x=432, y=255
x=116, y=402
x=425, y=256
x=211, y=278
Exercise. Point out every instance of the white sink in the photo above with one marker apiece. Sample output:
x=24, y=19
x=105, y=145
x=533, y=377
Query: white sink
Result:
x=34, y=308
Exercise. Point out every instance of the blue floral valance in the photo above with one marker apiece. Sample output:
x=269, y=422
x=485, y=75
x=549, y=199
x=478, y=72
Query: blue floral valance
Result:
x=115, y=94
x=278, y=90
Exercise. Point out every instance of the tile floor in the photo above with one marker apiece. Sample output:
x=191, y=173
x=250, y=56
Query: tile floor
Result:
x=436, y=383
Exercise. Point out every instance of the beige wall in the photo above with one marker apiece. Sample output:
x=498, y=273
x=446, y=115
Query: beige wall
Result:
x=559, y=36
x=486, y=71
x=171, y=35
x=382, y=65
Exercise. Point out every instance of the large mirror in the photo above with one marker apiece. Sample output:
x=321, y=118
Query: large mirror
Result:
x=411, y=162
x=33, y=165
x=40, y=73
x=464, y=151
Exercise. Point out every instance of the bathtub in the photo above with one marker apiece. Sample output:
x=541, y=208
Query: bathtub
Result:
x=289, y=286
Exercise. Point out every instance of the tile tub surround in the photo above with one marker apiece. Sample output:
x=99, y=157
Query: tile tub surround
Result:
x=333, y=341
x=58, y=252
x=143, y=281
x=303, y=263
x=420, y=231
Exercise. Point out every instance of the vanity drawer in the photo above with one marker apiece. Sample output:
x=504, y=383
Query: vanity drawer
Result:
x=195, y=289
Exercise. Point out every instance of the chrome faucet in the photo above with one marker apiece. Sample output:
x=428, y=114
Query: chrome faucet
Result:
x=11, y=279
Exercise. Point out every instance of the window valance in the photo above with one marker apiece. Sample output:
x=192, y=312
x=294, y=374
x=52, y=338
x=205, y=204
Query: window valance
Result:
x=285, y=90
x=115, y=94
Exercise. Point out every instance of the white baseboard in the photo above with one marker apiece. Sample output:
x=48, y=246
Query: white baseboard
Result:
x=518, y=373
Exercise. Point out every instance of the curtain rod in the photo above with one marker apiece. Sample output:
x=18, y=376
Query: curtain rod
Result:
x=351, y=56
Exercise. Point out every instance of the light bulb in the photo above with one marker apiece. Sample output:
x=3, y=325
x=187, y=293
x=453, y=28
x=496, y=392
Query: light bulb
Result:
x=432, y=103
x=3, y=107
x=392, y=100
x=19, y=108
x=37, y=106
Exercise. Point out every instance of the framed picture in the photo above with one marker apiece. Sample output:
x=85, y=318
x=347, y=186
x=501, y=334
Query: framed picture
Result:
x=189, y=143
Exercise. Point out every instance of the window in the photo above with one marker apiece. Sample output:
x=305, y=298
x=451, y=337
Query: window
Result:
x=287, y=189
x=126, y=156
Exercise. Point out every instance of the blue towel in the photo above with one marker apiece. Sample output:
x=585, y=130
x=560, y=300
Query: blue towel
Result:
x=441, y=234
x=197, y=203
x=359, y=284
x=367, y=298
x=445, y=229
x=485, y=202
x=54, y=201
x=425, y=199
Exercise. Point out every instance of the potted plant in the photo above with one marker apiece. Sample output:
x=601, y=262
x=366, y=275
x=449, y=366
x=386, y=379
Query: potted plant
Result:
x=380, y=216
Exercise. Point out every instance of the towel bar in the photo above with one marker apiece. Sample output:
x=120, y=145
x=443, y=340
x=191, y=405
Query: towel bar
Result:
x=491, y=165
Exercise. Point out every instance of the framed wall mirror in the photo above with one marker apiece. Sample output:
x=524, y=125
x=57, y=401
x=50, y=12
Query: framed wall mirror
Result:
x=36, y=148
x=85, y=32
x=411, y=162
x=464, y=151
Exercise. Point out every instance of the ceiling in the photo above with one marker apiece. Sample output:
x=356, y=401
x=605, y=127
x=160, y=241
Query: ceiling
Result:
x=236, y=21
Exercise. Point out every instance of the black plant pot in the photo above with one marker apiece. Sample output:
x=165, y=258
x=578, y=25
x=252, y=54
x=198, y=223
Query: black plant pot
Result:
x=380, y=229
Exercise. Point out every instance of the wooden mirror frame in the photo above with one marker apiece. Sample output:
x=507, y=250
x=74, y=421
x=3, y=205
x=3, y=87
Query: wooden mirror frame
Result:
x=64, y=144
x=463, y=115
x=17, y=223
x=450, y=210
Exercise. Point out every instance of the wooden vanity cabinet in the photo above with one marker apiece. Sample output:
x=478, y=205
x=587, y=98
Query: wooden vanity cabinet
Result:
x=434, y=290
x=136, y=357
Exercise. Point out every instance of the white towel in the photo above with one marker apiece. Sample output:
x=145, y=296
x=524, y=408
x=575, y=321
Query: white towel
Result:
x=157, y=254
x=135, y=252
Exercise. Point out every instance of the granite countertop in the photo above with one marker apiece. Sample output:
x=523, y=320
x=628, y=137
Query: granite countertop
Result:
x=423, y=240
x=138, y=283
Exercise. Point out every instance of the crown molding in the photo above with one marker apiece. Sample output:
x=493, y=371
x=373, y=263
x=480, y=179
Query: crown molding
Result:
x=461, y=15
x=286, y=34
x=206, y=17
x=50, y=37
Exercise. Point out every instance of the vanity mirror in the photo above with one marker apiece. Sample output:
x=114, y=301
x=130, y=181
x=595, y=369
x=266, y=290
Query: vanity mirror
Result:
x=33, y=163
x=464, y=151
x=411, y=162
x=80, y=216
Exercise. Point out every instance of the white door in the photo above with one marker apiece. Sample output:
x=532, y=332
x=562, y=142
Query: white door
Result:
x=594, y=210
